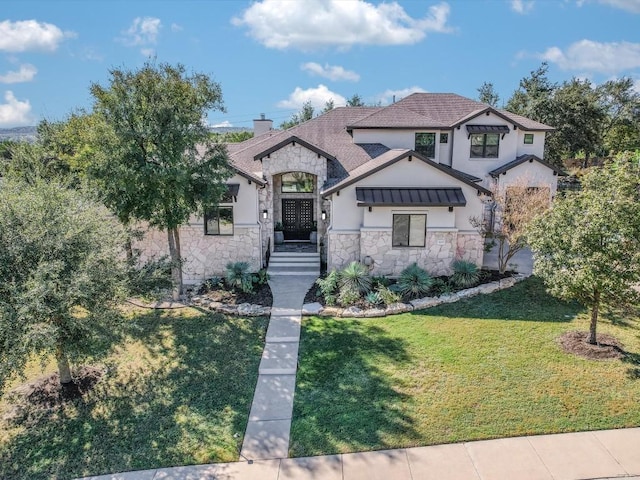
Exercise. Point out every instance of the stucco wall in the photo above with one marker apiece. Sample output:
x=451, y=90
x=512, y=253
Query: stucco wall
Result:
x=402, y=139
x=534, y=174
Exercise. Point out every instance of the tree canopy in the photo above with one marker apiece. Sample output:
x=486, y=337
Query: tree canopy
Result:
x=587, y=247
x=487, y=94
x=62, y=274
x=163, y=165
x=306, y=113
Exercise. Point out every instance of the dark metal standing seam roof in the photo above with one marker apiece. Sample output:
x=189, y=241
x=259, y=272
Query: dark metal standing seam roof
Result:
x=425, y=197
x=488, y=129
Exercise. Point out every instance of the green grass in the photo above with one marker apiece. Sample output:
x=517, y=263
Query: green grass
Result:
x=178, y=392
x=481, y=368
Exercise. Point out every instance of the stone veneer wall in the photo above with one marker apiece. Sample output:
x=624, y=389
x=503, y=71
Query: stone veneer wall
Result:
x=205, y=255
x=342, y=249
x=290, y=158
x=442, y=248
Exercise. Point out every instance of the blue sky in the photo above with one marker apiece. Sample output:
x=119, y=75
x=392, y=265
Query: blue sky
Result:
x=271, y=55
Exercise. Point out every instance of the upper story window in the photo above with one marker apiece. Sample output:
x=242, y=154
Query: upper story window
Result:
x=528, y=138
x=444, y=138
x=485, y=145
x=426, y=144
x=297, y=182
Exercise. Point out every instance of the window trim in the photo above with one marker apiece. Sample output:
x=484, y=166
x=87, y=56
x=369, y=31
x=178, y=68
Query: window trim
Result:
x=484, y=145
x=528, y=136
x=208, y=216
x=433, y=145
x=424, y=235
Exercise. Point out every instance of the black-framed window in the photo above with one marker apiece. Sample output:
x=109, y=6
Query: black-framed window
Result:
x=528, y=138
x=426, y=144
x=219, y=221
x=297, y=182
x=444, y=138
x=409, y=230
x=485, y=145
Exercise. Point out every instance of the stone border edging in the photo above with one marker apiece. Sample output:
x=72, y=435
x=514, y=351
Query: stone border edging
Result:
x=309, y=309
x=156, y=305
x=243, y=309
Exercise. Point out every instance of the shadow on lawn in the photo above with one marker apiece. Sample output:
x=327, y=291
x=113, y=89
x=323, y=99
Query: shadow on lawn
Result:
x=343, y=400
x=525, y=301
x=180, y=402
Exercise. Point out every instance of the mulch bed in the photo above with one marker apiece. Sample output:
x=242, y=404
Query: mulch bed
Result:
x=487, y=276
x=260, y=296
x=46, y=394
x=576, y=342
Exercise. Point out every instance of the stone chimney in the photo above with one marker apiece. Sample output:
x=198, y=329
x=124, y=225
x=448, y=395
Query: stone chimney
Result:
x=262, y=125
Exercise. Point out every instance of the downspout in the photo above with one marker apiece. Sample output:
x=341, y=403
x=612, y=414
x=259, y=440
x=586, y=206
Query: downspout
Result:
x=451, y=149
x=260, y=225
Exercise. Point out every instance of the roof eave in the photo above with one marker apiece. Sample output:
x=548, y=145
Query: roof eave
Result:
x=293, y=139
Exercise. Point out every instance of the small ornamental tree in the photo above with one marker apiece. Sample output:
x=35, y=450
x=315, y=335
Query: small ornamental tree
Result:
x=587, y=247
x=163, y=165
x=63, y=272
x=512, y=210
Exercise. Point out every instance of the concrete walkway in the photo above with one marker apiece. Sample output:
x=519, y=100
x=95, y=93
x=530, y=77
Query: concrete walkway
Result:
x=267, y=434
x=605, y=454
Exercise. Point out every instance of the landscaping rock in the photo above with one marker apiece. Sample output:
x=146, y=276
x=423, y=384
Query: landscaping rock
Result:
x=507, y=282
x=352, y=312
x=213, y=305
x=425, y=302
x=449, y=298
x=488, y=287
x=228, y=309
x=312, y=308
x=196, y=300
x=395, y=308
x=251, y=310
x=331, y=312
x=375, y=312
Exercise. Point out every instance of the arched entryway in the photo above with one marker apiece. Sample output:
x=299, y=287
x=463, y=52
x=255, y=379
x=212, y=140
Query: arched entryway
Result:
x=294, y=204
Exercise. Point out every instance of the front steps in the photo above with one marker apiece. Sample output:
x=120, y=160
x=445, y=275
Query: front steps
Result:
x=294, y=263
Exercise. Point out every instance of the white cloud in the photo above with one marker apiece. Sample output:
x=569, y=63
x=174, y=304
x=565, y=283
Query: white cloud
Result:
x=590, y=56
x=15, y=113
x=332, y=72
x=632, y=6
x=318, y=97
x=29, y=35
x=315, y=24
x=176, y=28
x=223, y=124
x=143, y=32
x=522, y=6
x=388, y=96
x=26, y=73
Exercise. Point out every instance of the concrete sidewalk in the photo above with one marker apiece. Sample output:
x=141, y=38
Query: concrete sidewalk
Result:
x=604, y=454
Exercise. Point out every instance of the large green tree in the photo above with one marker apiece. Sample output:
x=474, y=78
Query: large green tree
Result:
x=621, y=103
x=587, y=247
x=487, y=94
x=163, y=166
x=62, y=274
x=306, y=113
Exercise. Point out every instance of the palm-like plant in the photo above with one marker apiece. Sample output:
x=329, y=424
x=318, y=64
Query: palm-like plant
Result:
x=355, y=277
x=414, y=282
x=465, y=274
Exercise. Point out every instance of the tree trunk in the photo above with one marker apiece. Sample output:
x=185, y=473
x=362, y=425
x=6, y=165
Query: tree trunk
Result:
x=176, y=267
x=594, y=319
x=63, y=367
x=128, y=248
x=502, y=260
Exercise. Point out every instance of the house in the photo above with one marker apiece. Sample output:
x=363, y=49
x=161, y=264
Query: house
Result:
x=387, y=186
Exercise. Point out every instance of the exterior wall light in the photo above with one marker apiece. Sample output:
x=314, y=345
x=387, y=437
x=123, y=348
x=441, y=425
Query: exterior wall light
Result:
x=265, y=214
x=323, y=215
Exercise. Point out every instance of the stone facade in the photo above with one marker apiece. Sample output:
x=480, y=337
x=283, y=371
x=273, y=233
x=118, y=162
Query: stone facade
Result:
x=441, y=249
x=342, y=249
x=290, y=158
x=205, y=255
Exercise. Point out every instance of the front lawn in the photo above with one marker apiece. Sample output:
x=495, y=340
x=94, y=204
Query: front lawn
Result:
x=480, y=368
x=177, y=391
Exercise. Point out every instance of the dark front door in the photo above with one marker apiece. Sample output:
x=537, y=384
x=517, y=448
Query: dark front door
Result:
x=297, y=218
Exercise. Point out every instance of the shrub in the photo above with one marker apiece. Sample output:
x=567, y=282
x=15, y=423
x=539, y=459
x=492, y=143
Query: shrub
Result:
x=465, y=274
x=238, y=276
x=441, y=287
x=414, y=282
x=151, y=277
x=378, y=280
x=388, y=297
x=261, y=278
x=329, y=287
x=355, y=277
x=210, y=284
x=348, y=296
x=373, y=299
